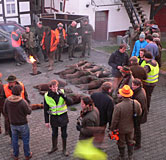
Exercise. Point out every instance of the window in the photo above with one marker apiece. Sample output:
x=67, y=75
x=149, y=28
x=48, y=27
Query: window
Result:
x=61, y=6
x=11, y=7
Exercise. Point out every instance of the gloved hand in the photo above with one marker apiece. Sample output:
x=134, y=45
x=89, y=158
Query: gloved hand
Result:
x=78, y=127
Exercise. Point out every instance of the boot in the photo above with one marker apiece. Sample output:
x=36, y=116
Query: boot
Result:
x=122, y=153
x=65, y=152
x=51, y=62
x=130, y=151
x=54, y=145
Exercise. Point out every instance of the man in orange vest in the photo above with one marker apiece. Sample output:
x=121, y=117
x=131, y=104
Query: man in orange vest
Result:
x=49, y=44
x=19, y=53
x=61, y=38
x=7, y=91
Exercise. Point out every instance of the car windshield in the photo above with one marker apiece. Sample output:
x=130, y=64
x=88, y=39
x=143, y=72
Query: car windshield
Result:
x=9, y=28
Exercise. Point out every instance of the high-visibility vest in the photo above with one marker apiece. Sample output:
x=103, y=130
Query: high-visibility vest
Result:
x=86, y=150
x=14, y=42
x=57, y=34
x=153, y=75
x=143, y=62
x=56, y=109
x=53, y=43
x=8, y=92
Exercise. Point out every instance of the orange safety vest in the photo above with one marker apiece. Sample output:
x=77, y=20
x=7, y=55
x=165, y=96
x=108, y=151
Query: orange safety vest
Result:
x=14, y=42
x=8, y=92
x=57, y=34
x=53, y=43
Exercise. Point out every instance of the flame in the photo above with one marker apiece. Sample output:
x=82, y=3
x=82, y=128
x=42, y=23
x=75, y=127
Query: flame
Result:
x=32, y=60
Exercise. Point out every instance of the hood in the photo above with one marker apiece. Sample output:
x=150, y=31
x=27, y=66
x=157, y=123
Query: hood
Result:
x=153, y=63
x=14, y=98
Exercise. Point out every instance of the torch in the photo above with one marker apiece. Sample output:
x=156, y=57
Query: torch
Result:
x=34, y=65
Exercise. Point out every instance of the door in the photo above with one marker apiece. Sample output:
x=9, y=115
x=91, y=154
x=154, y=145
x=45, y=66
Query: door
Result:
x=160, y=19
x=101, y=24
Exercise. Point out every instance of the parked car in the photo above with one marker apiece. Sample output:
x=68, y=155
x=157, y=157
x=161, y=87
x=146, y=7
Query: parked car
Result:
x=6, y=49
x=10, y=25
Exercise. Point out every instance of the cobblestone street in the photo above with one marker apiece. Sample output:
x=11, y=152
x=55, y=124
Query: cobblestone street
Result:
x=153, y=132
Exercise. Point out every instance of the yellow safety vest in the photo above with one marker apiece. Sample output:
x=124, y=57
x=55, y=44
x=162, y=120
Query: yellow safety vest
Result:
x=143, y=62
x=153, y=75
x=56, y=109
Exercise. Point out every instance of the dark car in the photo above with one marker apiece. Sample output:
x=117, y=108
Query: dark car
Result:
x=10, y=25
x=6, y=49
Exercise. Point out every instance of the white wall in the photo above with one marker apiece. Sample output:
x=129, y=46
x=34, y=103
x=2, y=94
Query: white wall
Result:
x=117, y=20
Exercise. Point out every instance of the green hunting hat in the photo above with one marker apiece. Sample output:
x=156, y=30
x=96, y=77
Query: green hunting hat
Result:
x=11, y=78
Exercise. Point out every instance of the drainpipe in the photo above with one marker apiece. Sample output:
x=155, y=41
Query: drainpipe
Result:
x=64, y=5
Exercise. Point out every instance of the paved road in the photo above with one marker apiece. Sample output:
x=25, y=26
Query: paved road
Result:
x=153, y=132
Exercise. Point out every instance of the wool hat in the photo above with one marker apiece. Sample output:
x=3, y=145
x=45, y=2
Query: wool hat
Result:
x=11, y=78
x=156, y=39
x=60, y=25
x=126, y=91
x=155, y=35
x=125, y=69
x=155, y=26
x=142, y=35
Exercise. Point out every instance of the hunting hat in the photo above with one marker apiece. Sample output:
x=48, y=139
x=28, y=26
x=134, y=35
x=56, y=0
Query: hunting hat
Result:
x=60, y=25
x=142, y=35
x=125, y=69
x=11, y=78
x=126, y=91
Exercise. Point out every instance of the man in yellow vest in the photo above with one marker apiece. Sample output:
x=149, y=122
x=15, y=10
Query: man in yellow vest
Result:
x=152, y=69
x=55, y=106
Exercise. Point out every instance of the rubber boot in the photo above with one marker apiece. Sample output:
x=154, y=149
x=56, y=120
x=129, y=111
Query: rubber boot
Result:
x=51, y=62
x=122, y=153
x=65, y=152
x=130, y=151
x=54, y=145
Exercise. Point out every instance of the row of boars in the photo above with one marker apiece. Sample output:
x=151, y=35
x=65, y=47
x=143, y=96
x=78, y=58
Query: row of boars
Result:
x=84, y=75
x=74, y=98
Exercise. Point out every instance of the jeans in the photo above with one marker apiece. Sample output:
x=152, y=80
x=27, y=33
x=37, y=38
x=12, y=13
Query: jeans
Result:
x=23, y=130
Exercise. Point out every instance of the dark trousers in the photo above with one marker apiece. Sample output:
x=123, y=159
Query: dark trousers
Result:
x=58, y=53
x=19, y=55
x=148, y=90
x=71, y=50
x=63, y=132
x=88, y=43
x=137, y=135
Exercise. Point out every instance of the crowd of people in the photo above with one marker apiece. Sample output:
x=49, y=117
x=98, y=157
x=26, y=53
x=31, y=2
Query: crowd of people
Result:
x=50, y=42
x=113, y=107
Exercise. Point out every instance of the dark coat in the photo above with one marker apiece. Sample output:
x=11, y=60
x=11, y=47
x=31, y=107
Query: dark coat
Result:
x=123, y=116
x=91, y=120
x=105, y=105
x=140, y=96
x=138, y=72
x=86, y=37
x=55, y=120
x=2, y=98
x=71, y=38
x=17, y=110
x=118, y=59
